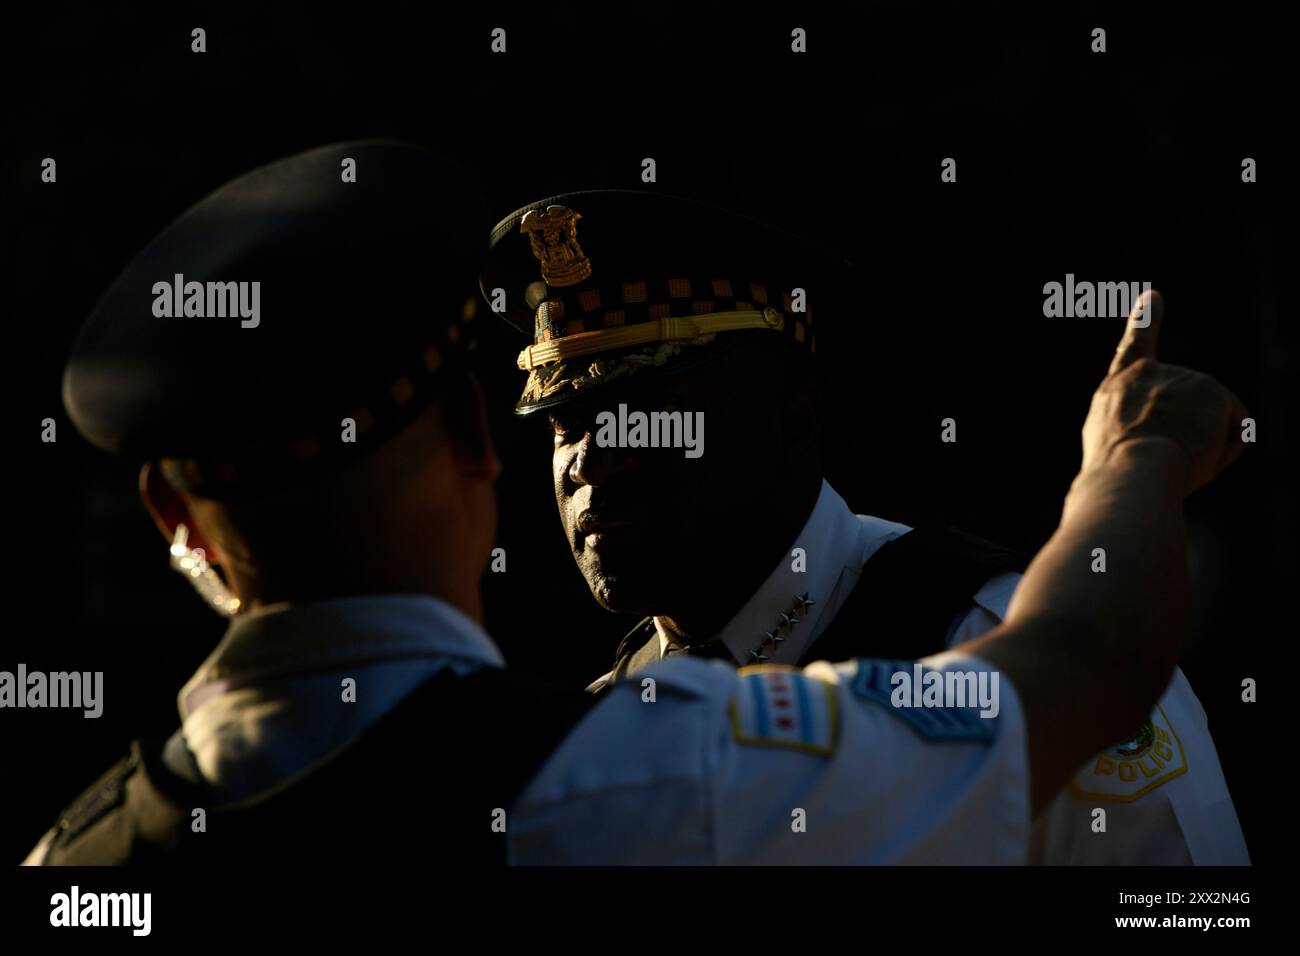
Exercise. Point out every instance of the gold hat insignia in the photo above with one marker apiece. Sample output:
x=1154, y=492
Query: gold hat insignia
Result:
x=554, y=237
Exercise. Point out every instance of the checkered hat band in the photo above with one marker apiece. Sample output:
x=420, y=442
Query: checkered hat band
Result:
x=591, y=308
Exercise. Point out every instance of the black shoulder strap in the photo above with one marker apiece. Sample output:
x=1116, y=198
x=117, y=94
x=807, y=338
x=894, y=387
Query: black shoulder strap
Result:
x=423, y=783
x=910, y=593
x=96, y=829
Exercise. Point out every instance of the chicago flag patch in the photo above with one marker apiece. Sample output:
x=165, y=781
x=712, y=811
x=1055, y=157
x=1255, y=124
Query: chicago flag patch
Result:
x=779, y=706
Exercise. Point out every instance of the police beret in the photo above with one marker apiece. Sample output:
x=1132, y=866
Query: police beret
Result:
x=615, y=284
x=332, y=284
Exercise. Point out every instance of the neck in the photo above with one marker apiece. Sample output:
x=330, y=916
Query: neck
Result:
x=697, y=618
x=322, y=579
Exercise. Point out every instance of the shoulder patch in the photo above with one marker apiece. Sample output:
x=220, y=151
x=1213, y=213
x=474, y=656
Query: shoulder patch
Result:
x=907, y=698
x=780, y=706
x=1127, y=771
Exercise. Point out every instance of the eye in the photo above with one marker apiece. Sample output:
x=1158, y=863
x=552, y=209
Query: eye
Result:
x=564, y=426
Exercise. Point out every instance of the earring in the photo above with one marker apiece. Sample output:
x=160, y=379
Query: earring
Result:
x=192, y=563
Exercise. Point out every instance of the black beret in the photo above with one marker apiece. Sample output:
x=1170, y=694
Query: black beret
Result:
x=234, y=345
x=595, y=279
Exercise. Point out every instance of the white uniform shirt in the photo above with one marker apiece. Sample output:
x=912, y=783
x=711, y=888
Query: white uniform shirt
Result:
x=776, y=765
x=267, y=706
x=825, y=563
x=1164, y=794
x=724, y=767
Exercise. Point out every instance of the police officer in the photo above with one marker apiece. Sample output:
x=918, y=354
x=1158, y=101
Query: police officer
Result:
x=288, y=359
x=644, y=304
x=337, y=505
x=766, y=766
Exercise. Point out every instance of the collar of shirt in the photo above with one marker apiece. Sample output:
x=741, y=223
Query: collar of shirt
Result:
x=835, y=545
x=284, y=640
x=266, y=705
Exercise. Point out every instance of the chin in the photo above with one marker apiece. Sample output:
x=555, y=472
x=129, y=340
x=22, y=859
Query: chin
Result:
x=616, y=597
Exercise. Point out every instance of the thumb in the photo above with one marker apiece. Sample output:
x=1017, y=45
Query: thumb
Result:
x=1140, y=332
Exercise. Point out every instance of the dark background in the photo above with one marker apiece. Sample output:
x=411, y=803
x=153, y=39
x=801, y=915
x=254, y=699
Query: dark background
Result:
x=1119, y=166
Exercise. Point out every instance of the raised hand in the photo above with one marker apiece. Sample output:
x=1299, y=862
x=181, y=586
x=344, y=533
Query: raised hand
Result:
x=1144, y=400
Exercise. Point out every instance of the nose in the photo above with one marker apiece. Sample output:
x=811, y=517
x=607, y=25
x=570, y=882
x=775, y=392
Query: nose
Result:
x=594, y=465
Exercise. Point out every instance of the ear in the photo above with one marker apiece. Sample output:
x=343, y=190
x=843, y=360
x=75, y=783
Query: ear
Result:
x=168, y=508
x=465, y=414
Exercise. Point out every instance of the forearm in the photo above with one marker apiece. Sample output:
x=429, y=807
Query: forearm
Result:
x=1090, y=651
